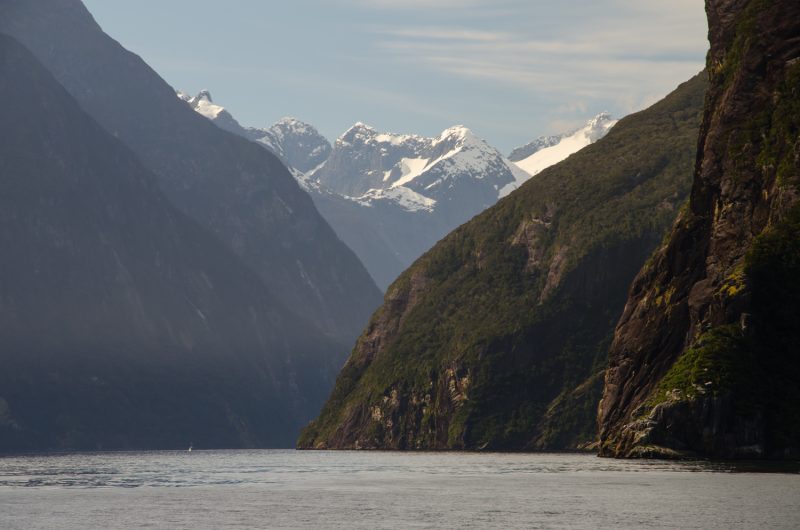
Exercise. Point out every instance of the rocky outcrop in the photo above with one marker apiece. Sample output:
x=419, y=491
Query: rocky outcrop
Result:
x=496, y=337
x=705, y=357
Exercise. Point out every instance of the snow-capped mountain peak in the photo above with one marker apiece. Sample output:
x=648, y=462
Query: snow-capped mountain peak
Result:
x=548, y=150
x=599, y=126
x=461, y=137
x=359, y=133
x=391, y=196
x=290, y=123
x=364, y=160
x=204, y=105
x=456, y=131
x=297, y=143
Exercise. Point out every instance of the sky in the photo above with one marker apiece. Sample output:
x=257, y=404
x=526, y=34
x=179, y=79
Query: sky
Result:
x=511, y=70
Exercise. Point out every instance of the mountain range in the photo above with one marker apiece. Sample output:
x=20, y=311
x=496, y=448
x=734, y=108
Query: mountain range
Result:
x=390, y=196
x=530, y=328
x=172, y=278
x=495, y=339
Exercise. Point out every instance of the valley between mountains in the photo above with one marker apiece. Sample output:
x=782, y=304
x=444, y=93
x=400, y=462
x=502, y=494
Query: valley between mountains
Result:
x=172, y=278
x=390, y=197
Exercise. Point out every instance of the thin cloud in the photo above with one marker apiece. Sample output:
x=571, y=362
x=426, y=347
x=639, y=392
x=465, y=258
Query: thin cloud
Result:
x=630, y=56
x=417, y=4
x=441, y=33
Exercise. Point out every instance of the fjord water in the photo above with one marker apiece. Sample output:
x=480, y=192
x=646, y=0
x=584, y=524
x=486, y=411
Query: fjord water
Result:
x=289, y=489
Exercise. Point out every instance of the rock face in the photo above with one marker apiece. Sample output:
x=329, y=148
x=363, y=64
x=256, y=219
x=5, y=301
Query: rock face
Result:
x=706, y=357
x=496, y=337
x=123, y=323
x=239, y=192
x=298, y=144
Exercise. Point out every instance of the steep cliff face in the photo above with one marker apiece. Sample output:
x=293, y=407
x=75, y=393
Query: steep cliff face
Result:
x=496, y=338
x=706, y=357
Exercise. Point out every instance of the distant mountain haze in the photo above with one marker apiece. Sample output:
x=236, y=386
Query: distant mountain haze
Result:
x=390, y=196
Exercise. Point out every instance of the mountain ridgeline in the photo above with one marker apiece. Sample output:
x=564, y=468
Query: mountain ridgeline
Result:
x=237, y=191
x=391, y=196
x=497, y=337
x=123, y=323
x=706, y=358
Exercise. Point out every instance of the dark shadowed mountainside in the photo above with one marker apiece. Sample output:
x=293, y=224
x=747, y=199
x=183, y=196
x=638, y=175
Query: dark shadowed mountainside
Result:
x=706, y=357
x=497, y=337
x=236, y=190
x=123, y=323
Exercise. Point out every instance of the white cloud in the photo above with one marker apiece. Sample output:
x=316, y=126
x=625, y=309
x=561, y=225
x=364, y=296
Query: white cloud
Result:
x=630, y=56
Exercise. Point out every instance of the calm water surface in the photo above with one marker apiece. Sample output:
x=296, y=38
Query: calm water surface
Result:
x=288, y=489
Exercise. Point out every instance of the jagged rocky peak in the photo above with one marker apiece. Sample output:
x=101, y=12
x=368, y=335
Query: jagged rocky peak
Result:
x=202, y=96
x=359, y=133
x=290, y=125
x=364, y=160
x=461, y=136
x=400, y=193
x=363, y=135
x=298, y=144
x=204, y=105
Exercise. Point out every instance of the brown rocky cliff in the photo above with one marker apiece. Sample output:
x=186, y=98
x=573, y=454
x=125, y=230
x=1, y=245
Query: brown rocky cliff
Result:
x=690, y=309
x=496, y=338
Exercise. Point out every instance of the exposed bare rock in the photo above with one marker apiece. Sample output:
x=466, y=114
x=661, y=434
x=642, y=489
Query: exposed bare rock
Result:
x=494, y=339
x=704, y=332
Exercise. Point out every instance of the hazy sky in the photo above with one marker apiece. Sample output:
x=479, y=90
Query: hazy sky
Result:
x=509, y=69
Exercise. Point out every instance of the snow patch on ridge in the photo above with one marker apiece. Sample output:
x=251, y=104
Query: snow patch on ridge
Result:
x=550, y=150
x=202, y=104
x=520, y=177
x=406, y=198
x=410, y=168
x=595, y=129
